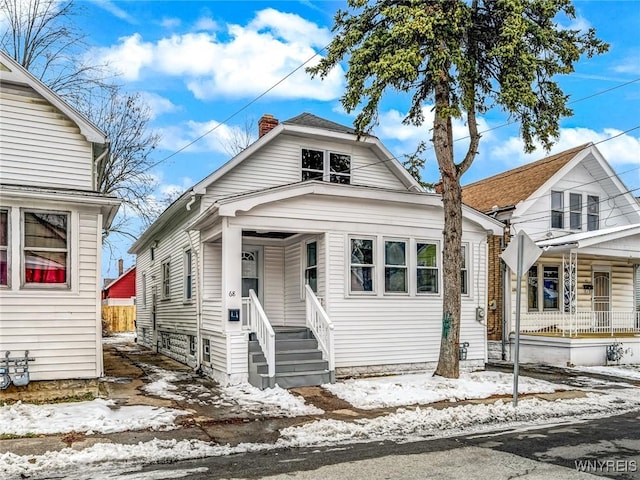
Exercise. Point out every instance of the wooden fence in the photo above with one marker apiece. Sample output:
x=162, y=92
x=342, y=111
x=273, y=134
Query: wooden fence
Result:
x=117, y=318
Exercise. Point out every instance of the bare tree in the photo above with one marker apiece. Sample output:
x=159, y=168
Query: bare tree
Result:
x=240, y=137
x=41, y=35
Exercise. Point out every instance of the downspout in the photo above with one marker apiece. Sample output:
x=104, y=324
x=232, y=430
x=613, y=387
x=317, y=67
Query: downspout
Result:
x=198, y=296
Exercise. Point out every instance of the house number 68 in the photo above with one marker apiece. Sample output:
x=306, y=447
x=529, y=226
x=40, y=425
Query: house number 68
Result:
x=232, y=293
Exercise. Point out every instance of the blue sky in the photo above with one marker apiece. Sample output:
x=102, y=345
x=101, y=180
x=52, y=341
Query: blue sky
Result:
x=199, y=62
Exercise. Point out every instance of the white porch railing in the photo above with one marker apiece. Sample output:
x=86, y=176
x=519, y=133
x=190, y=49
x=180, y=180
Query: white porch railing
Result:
x=258, y=322
x=566, y=324
x=320, y=324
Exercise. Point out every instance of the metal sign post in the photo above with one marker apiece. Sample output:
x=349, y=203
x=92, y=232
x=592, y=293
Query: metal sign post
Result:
x=519, y=255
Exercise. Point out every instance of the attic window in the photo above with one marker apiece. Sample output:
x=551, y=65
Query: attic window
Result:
x=557, y=209
x=326, y=166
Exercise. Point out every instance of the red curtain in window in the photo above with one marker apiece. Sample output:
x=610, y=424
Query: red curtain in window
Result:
x=40, y=269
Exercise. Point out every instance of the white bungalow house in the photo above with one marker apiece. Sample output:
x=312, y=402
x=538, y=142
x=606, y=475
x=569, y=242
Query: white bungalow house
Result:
x=581, y=300
x=310, y=254
x=51, y=224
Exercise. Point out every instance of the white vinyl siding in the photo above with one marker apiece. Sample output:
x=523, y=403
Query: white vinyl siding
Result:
x=40, y=146
x=293, y=302
x=278, y=163
x=274, y=265
x=63, y=331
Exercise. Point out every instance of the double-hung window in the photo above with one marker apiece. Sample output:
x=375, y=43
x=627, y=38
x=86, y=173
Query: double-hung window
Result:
x=464, y=271
x=144, y=289
x=557, y=209
x=549, y=295
x=361, y=265
x=311, y=266
x=188, y=275
x=575, y=211
x=327, y=166
x=4, y=247
x=46, y=248
x=593, y=212
x=427, y=267
x=395, y=266
x=166, y=279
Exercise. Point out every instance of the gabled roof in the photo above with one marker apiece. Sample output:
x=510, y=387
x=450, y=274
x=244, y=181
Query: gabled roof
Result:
x=310, y=120
x=509, y=188
x=15, y=73
x=119, y=279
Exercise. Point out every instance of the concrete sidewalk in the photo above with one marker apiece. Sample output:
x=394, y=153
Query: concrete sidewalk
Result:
x=129, y=367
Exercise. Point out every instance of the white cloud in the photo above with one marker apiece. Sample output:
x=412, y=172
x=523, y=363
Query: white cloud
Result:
x=622, y=150
x=170, y=22
x=158, y=104
x=247, y=62
x=630, y=65
x=128, y=58
x=115, y=10
x=216, y=136
x=206, y=24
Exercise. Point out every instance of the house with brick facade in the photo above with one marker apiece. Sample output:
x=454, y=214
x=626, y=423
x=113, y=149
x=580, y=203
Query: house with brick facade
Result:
x=311, y=254
x=581, y=299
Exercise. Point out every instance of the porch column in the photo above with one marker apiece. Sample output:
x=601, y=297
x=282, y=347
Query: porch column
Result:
x=231, y=275
x=570, y=277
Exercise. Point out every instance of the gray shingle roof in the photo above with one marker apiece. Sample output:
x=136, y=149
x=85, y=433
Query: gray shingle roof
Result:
x=309, y=120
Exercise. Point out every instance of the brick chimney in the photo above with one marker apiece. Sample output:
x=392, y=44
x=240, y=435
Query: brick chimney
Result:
x=266, y=123
x=120, y=267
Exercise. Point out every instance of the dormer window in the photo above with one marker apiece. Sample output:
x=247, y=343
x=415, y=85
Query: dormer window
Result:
x=326, y=166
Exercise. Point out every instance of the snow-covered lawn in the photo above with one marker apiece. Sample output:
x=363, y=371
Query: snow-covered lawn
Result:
x=120, y=337
x=631, y=372
x=108, y=460
x=421, y=389
x=96, y=416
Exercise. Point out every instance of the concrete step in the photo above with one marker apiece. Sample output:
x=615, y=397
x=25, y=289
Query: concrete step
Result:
x=294, y=366
x=306, y=379
x=287, y=356
x=288, y=333
x=296, y=344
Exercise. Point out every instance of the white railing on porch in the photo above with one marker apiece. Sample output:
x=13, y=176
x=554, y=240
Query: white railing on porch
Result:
x=258, y=322
x=320, y=324
x=566, y=324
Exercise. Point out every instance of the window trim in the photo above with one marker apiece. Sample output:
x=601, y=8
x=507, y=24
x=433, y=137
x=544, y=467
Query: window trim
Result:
x=557, y=211
x=187, y=275
x=590, y=215
x=326, y=166
x=165, y=279
x=577, y=211
x=349, y=265
x=306, y=267
x=7, y=248
x=464, y=267
x=540, y=291
x=68, y=251
x=437, y=268
x=143, y=281
x=385, y=265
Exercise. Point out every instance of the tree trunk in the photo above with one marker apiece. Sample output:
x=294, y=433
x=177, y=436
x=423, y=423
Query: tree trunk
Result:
x=448, y=362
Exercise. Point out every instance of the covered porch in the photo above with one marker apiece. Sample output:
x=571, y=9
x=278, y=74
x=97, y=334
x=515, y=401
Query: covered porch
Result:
x=581, y=300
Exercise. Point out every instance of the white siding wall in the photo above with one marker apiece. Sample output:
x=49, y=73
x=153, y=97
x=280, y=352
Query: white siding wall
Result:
x=41, y=147
x=59, y=327
x=212, y=287
x=536, y=221
x=380, y=329
x=279, y=163
x=273, y=284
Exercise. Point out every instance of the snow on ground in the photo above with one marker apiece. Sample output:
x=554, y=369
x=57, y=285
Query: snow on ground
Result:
x=107, y=460
x=421, y=389
x=631, y=372
x=96, y=416
x=120, y=337
x=271, y=402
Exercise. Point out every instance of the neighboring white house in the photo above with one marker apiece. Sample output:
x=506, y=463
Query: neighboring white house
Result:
x=581, y=300
x=51, y=224
x=309, y=227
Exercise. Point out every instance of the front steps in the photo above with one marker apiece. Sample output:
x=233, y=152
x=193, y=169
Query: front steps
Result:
x=299, y=362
